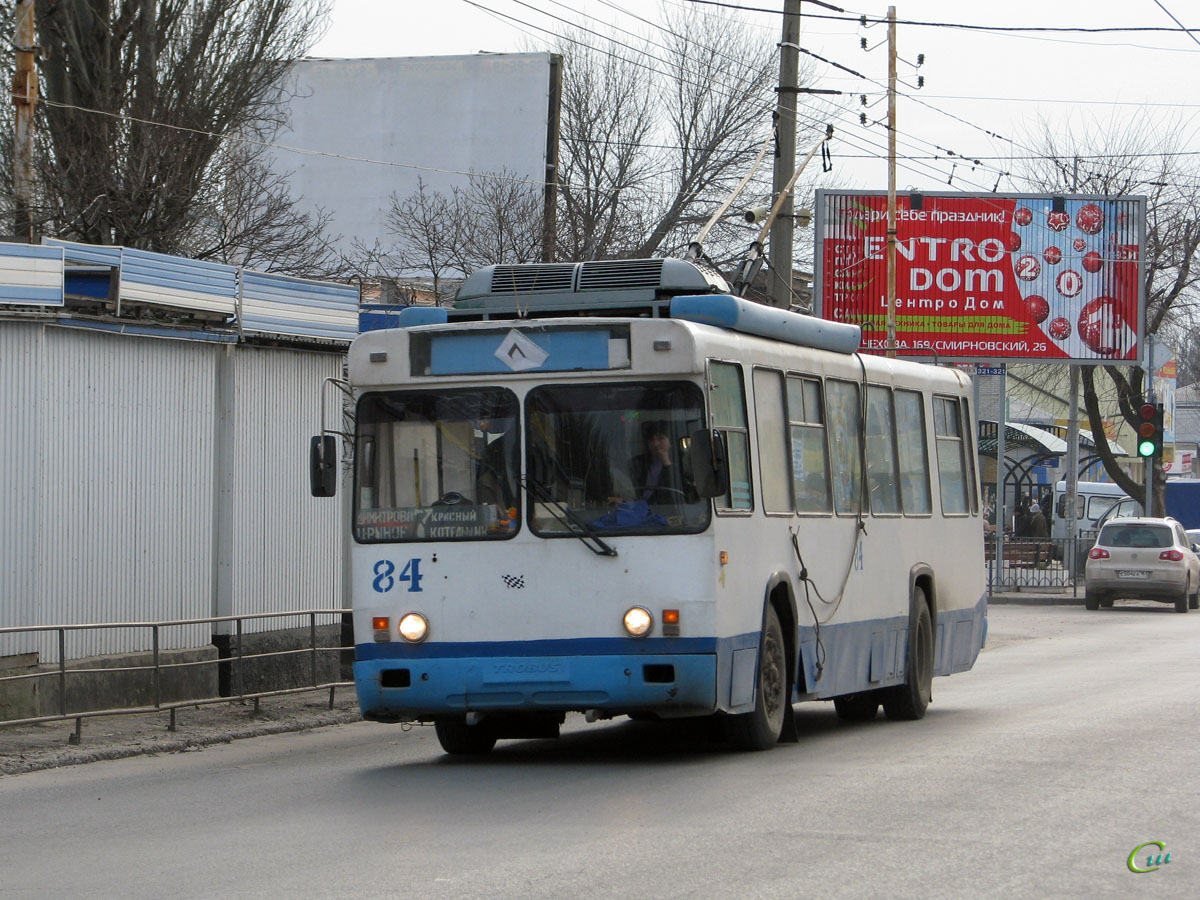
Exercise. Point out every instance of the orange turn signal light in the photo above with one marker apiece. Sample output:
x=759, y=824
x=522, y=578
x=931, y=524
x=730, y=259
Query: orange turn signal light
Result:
x=670, y=616
x=380, y=623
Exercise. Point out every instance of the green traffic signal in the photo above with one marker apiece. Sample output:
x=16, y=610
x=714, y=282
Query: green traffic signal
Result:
x=1150, y=431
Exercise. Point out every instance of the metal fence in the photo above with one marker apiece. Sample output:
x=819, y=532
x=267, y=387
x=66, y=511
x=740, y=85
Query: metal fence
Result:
x=307, y=666
x=1031, y=564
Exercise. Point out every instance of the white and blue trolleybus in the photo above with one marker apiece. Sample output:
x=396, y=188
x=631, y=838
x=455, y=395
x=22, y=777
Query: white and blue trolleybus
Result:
x=613, y=488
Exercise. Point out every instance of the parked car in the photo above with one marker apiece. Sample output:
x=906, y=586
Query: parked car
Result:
x=1123, y=509
x=1144, y=559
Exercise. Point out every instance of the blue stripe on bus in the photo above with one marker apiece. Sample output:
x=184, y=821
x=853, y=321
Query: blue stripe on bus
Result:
x=558, y=647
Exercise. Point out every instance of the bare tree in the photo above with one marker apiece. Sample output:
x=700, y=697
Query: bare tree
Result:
x=1140, y=160
x=247, y=216
x=505, y=218
x=642, y=188
x=653, y=135
x=607, y=174
x=138, y=98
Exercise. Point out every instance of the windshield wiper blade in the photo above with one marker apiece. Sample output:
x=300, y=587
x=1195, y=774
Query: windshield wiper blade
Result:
x=568, y=519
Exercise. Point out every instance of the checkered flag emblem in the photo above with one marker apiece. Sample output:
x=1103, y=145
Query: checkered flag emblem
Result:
x=516, y=582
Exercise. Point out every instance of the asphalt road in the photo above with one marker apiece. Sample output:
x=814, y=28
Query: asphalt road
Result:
x=1035, y=775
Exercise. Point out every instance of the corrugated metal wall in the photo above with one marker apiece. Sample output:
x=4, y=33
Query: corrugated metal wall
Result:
x=116, y=472
x=286, y=550
x=21, y=414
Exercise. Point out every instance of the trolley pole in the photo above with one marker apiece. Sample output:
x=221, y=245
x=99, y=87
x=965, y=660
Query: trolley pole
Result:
x=780, y=283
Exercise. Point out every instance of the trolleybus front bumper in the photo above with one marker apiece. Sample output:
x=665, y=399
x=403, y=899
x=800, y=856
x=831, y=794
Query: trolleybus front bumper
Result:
x=669, y=684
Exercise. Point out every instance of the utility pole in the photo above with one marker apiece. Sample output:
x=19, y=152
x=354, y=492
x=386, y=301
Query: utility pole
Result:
x=780, y=283
x=24, y=97
x=891, y=198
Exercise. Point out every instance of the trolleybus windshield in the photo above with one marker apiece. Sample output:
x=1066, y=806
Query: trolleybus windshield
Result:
x=437, y=465
x=616, y=456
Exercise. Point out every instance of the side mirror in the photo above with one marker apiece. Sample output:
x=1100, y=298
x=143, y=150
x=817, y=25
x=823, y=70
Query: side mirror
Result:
x=322, y=465
x=710, y=474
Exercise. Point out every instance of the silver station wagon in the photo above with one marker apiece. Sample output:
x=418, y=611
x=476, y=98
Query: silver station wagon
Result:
x=1143, y=559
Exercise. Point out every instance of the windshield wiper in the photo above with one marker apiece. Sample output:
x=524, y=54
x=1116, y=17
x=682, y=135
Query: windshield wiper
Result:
x=567, y=518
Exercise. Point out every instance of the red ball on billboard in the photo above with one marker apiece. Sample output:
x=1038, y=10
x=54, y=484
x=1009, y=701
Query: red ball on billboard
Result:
x=1090, y=218
x=1012, y=241
x=1092, y=261
x=1058, y=221
x=1037, y=307
x=1099, y=326
x=1079, y=244
x=1028, y=268
x=1069, y=282
x=1052, y=255
x=1023, y=215
x=1060, y=329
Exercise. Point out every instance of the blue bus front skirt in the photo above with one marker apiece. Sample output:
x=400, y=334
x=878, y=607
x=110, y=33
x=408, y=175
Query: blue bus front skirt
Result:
x=670, y=684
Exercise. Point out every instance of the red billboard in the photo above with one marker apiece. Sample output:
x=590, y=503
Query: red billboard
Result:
x=988, y=276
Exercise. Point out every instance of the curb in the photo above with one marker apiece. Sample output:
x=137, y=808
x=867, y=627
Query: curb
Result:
x=1018, y=598
x=52, y=758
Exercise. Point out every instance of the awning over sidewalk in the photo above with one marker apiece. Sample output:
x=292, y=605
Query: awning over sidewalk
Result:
x=1017, y=435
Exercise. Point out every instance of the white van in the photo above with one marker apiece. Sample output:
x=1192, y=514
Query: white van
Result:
x=1093, y=500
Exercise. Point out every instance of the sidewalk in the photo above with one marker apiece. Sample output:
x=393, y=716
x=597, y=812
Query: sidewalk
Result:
x=1038, y=597
x=28, y=748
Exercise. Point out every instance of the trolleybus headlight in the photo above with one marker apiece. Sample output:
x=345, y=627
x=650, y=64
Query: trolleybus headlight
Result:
x=638, y=622
x=413, y=627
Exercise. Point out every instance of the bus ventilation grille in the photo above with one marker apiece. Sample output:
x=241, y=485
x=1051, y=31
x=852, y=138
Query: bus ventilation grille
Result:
x=628, y=274
x=532, y=279
x=514, y=582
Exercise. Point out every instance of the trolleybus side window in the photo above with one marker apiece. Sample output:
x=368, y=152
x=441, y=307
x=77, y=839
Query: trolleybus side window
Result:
x=881, y=452
x=947, y=426
x=912, y=453
x=845, y=430
x=772, y=441
x=729, y=417
x=436, y=465
x=968, y=446
x=810, y=463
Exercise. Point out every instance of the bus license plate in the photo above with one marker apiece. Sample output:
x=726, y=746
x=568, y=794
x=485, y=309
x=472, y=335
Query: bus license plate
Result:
x=1132, y=573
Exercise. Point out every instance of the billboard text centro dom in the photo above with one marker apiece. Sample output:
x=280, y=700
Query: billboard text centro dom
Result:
x=987, y=276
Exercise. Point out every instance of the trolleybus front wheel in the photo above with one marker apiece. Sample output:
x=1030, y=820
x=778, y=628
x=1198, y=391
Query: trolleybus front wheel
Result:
x=760, y=729
x=911, y=699
x=460, y=739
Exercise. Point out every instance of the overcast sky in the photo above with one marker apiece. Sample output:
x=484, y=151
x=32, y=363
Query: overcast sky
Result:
x=975, y=81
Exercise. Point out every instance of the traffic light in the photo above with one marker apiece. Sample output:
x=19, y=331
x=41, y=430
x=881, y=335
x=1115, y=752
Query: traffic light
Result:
x=1150, y=430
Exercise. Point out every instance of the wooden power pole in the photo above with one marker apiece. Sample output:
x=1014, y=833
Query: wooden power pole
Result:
x=780, y=283
x=891, y=198
x=24, y=96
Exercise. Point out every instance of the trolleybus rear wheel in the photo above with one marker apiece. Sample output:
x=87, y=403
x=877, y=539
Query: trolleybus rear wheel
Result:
x=760, y=729
x=911, y=699
x=460, y=739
